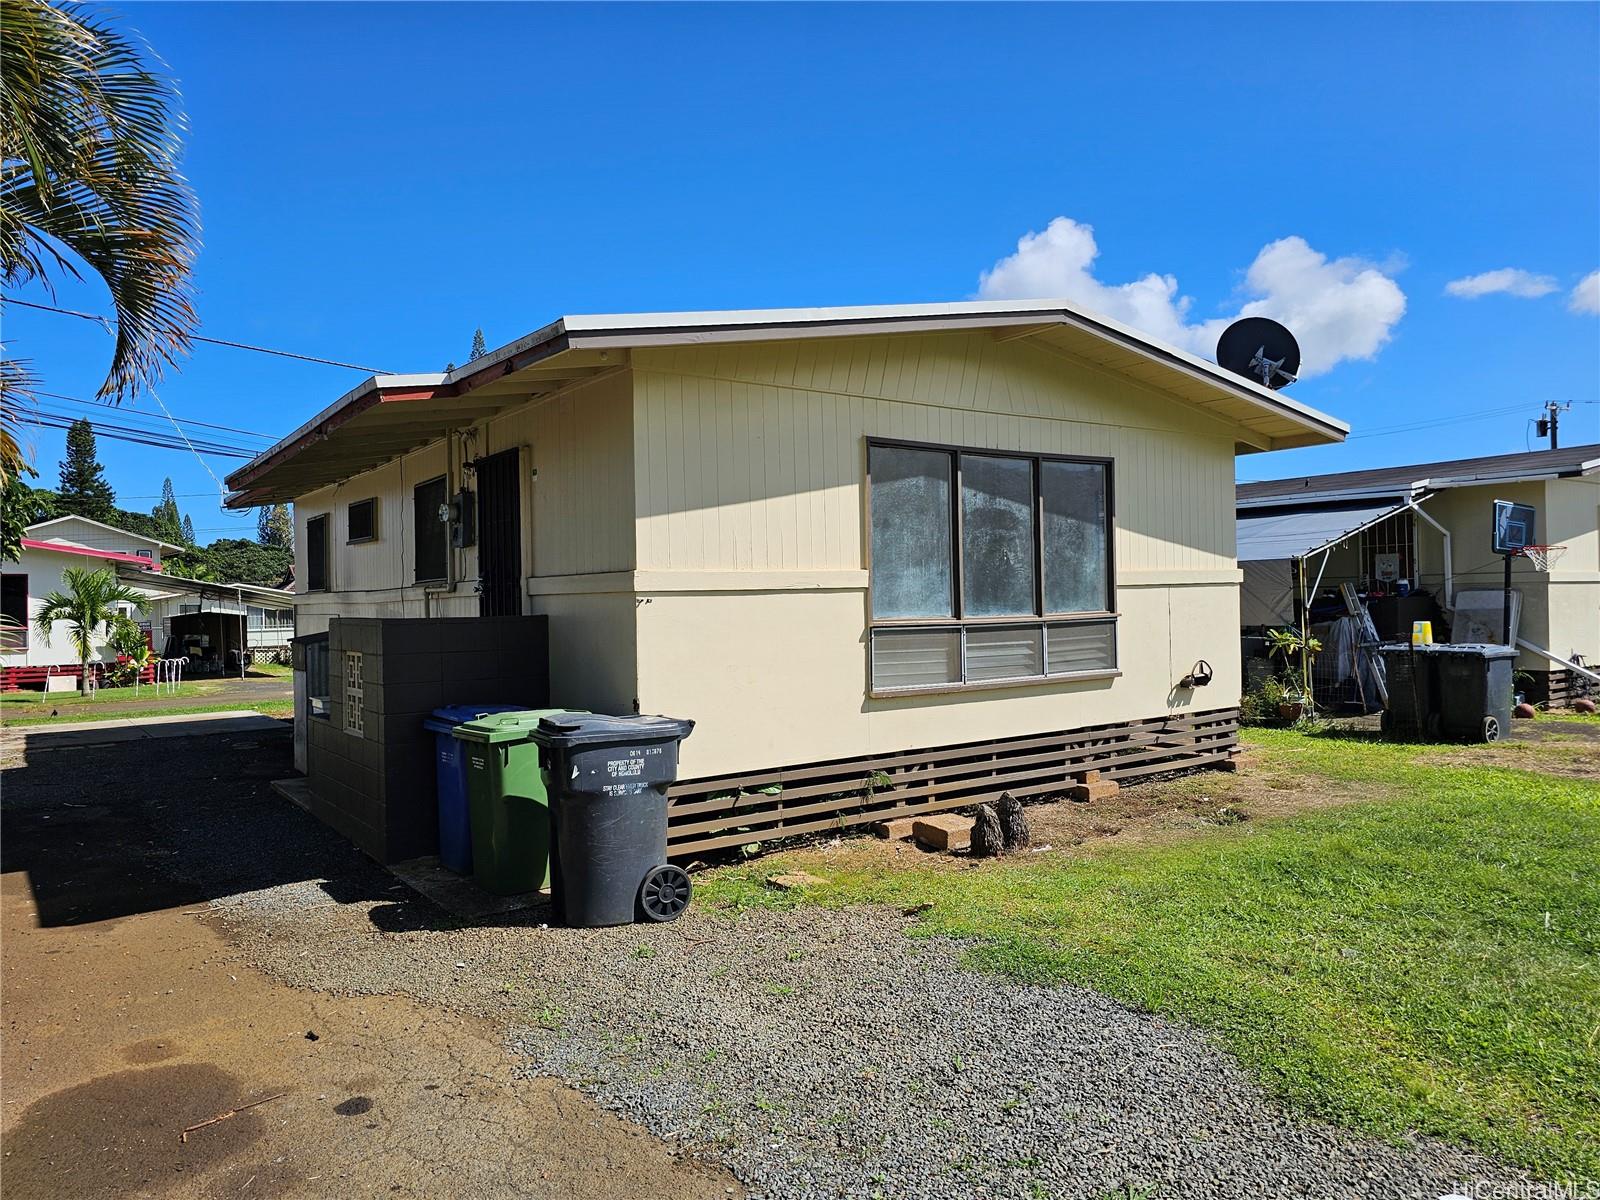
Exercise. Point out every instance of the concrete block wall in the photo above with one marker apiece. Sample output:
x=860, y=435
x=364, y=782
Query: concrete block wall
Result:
x=377, y=788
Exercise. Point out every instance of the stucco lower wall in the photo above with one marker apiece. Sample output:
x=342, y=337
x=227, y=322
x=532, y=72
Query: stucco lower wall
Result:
x=779, y=677
x=591, y=649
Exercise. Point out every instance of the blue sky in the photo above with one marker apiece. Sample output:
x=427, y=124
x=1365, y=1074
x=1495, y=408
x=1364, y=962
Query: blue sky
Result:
x=376, y=181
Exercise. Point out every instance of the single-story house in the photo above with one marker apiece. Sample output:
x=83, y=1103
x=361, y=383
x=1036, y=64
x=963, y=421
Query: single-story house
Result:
x=913, y=545
x=1415, y=543
x=172, y=605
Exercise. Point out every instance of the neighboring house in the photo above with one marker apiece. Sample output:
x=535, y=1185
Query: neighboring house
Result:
x=824, y=534
x=190, y=615
x=50, y=547
x=1430, y=525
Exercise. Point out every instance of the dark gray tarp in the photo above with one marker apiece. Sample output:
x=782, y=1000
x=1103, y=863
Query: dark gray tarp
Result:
x=1280, y=533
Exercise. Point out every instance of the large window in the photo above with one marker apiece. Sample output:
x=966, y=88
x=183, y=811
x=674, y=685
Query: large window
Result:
x=988, y=567
x=317, y=554
x=430, y=531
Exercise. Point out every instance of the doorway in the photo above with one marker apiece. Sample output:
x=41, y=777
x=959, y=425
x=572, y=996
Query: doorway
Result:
x=500, y=535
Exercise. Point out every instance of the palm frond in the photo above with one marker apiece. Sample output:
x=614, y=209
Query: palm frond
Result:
x=90, y=130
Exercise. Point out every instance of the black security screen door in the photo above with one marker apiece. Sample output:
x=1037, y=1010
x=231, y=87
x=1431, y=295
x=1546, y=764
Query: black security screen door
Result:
x=499, y=535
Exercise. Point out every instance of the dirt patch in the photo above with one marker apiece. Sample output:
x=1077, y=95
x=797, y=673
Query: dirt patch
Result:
x=1145, y=814
x=1579, y=759
x=129, y=1018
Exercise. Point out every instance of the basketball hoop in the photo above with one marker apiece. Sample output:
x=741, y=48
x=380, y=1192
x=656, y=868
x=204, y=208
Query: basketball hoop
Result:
x=1542, y=556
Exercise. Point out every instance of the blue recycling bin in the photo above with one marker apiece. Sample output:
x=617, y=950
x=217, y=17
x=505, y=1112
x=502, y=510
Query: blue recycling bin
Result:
x=450, y=770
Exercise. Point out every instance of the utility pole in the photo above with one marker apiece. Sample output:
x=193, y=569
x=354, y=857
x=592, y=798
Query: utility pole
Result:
x=1548, y=426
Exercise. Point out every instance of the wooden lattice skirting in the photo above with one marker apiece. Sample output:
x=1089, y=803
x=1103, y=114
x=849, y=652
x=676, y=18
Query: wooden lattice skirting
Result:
x=736, y=810
x=1557, y=689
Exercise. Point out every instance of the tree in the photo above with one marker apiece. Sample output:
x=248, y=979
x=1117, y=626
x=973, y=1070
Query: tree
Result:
x=275, y=526
x=169, y=521
x=21, y=506
x=89, y=178
x=233, y=560
x=187, y=535
x=90, y=606
x=479, y=349
x=84, y=489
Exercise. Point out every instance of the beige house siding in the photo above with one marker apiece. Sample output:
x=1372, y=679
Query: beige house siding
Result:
x=752, y=581
x=751, y=458
x=696, y=533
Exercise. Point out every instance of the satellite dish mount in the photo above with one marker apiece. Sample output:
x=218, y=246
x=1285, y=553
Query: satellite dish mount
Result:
x=1261, y=350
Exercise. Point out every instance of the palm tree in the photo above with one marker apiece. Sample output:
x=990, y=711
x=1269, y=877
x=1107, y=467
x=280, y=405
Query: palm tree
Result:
x=89, y=138
x=89, y=603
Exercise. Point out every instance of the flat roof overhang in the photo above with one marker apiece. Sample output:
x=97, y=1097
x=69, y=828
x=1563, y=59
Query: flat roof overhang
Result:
x=391, y=415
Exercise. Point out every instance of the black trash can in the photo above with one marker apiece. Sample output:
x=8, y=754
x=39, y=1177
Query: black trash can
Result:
x=1455, y=693
x=608, y=779
x=1475, y=692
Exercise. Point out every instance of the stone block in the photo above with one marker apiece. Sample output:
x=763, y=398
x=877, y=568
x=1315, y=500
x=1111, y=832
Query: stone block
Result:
x=897, y=829
x=1098, y=789
x=943, y=831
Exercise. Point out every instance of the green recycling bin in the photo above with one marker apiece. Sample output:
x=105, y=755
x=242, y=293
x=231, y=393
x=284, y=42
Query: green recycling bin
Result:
x=508, y=799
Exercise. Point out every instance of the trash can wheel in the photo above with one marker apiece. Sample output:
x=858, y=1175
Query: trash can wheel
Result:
x=665, y=893
x=1491, y=729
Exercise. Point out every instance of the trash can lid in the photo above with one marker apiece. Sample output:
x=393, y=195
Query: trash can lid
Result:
x=449, y=716
x=1481, y=649
x=507, y=725
x=585, y=729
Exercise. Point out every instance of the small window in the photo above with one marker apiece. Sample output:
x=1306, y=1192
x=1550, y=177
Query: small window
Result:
x=145, y=553
x=431, y=535
x=13, y=612
x=317, y=554
x=363, y=521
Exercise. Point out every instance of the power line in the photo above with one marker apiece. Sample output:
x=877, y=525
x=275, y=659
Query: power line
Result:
x=1415, y=426
x=140, y=424
x=121, y=433
x=128, y=413
x=106, y=323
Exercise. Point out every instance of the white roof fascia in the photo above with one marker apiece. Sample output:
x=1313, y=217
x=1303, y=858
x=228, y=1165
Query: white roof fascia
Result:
x=1314, y=498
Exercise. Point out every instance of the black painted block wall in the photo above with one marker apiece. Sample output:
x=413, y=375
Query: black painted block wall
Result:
x=377, y=788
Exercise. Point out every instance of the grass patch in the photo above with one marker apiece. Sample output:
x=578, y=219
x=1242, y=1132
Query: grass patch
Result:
x=1429, y=962
x=88, y=712
x=20, y=701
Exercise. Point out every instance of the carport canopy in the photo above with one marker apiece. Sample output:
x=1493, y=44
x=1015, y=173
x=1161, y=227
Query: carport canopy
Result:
x=1281, y=534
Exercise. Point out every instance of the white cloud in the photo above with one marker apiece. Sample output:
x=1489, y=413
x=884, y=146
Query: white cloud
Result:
x=1585, y=298
x=1338, y=309
x=1513, y=281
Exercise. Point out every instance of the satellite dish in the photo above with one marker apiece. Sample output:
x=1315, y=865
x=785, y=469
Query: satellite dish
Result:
x=1261, y=350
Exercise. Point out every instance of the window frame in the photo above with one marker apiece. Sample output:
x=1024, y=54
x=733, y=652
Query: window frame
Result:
x=349, y=540
x=1039, y=619
x=17, y=640
x=327, y=553
x=417, y=578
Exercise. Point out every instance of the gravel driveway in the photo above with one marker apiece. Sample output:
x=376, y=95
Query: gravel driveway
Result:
x=818, y=1053
x=824, y=1054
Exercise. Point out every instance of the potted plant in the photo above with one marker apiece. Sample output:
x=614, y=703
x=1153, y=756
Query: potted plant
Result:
x=1298, y=652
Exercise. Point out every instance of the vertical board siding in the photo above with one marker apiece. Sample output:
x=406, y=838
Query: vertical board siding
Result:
x=578, y=509
x=750, y=458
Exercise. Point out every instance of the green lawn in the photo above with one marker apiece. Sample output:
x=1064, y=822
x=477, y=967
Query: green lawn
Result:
x=1427, y=960
x=88, y=712
x=21, y=702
